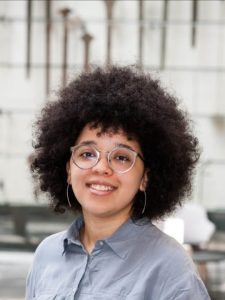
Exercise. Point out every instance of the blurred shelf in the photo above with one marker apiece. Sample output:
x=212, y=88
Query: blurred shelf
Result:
x=146, y=22
x=204, y=69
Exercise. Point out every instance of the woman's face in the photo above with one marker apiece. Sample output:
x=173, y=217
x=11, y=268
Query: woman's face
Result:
x=100, y=191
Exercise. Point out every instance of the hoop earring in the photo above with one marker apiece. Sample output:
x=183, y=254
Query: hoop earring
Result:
x=145, y=201
x=67, y=195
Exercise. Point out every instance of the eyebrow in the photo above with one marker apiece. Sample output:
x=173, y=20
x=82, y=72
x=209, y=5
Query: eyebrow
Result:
x=87, y=143
x=124, y=146
x=91, y=142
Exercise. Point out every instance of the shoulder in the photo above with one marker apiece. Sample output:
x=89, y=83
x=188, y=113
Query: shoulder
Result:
x=168, y=260
x=47, y=252
x=164, y=250
x=51, y=245
x=157, y=239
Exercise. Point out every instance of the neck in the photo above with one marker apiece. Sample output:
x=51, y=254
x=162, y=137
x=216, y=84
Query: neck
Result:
x=97, y=229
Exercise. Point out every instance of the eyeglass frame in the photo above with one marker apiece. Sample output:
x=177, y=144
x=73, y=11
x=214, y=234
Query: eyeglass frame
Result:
x=73, y=148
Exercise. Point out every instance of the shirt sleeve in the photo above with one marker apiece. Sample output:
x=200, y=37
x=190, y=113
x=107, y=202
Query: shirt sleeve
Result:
x=30, y=284
x=189, y=288
x=190, y=295
x=31, y=280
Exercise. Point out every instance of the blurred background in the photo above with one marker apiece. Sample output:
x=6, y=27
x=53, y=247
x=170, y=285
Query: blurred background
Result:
x=45, y=43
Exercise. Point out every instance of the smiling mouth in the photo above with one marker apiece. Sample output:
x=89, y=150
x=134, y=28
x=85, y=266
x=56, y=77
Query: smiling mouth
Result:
x=100, y=187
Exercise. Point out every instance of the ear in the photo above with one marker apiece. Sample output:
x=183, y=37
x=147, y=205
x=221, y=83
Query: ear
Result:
x=68, y=172
x=144, y=181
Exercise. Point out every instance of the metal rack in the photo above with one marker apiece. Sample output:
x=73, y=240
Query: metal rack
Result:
x=155, y=25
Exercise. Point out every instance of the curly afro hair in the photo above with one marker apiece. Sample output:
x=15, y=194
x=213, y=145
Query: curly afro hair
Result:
x=113, y=99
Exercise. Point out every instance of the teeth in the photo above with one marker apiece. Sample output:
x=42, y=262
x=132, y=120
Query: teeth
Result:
x=101, y=187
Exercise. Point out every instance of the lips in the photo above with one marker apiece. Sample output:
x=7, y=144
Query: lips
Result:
x=100, y=187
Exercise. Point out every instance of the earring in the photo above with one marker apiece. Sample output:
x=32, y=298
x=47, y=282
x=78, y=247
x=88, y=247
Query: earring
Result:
x=67, y=195
x=145, y=201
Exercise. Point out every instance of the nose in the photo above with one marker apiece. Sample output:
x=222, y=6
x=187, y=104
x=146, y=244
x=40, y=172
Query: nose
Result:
x=102, y=166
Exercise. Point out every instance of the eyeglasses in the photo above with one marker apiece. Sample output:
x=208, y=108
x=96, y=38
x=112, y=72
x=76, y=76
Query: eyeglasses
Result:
x=120, y=159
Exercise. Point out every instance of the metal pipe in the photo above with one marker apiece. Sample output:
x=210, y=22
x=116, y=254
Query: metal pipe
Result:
x=163, y=35
x=109, y=10
x=28, y=40
x=87, y=38
x=48, y=44
x=194, y=19
x=141, y=31
x=65, y=12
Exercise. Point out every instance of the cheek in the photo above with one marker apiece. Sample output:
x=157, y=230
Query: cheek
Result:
x=77, y=177
x=131, y=184
x=77, y=185
x=68, y=171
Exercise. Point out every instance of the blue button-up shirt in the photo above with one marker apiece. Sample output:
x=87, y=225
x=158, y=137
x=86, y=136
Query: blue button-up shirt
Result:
x=138, y=262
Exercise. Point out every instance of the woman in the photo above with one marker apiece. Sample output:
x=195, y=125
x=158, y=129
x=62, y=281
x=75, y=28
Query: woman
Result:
x=116, y=148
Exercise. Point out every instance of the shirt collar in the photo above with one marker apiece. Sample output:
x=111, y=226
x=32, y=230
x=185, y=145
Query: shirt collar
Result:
x=73, y=231
x=72, y=234
x=126, y=235
x=121, y=240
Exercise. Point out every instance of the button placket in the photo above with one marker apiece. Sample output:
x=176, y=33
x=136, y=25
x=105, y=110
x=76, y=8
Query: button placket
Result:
x=82, y=276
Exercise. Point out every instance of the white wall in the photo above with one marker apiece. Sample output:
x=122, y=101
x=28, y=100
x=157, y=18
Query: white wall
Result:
x=195, y=74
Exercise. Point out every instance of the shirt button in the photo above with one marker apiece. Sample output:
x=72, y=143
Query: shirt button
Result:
x=101, y=243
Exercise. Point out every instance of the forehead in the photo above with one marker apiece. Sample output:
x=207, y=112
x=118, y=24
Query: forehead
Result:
x=107, y=138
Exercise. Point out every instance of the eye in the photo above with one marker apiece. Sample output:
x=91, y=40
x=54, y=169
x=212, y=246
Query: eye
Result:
x=122, y=158
x=87, y=154
x=84, y=153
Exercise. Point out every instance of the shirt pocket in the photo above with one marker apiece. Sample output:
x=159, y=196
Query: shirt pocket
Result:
x=52, y=297
x=45, y=297
x=57, y=297
x=99, y=296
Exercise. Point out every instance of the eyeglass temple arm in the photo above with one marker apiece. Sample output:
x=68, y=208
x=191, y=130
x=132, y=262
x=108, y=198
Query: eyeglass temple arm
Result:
x=141, y=157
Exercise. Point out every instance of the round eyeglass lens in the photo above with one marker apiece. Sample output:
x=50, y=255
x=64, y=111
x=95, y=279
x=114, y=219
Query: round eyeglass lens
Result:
x=85, y=157
x=122, y=159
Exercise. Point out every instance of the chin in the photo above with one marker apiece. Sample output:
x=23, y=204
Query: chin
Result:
x=97, y=211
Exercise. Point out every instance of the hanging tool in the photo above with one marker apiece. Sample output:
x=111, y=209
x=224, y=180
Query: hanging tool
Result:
x=48, y=43
x=141, y=31
x=28, y=40
x=109, y=10
x=65, y=12
x=163, y=35
x=87, y=38
x=194, y=20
